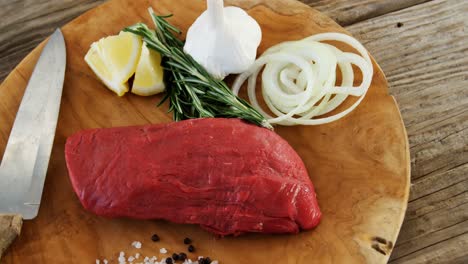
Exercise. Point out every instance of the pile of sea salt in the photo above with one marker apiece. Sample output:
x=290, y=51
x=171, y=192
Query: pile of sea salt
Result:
x=135, y=259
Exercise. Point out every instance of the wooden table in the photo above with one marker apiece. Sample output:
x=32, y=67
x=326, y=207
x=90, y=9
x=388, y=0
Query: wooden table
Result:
x=422, y=47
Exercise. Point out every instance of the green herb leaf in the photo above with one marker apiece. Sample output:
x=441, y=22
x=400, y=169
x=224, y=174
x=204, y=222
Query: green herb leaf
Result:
x=191, y=90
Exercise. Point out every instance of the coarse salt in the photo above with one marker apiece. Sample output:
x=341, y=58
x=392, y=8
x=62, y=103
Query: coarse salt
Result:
x=151, y=260
x=136, y=244
x=146, y=259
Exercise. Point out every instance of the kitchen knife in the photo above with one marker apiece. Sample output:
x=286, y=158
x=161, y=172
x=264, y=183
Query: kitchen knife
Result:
x=26, y=158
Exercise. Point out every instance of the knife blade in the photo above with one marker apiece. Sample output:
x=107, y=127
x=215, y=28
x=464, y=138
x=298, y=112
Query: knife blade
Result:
x=26, y=158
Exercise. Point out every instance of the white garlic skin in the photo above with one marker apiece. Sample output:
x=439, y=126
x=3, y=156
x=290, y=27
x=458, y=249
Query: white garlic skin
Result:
x=224, y=40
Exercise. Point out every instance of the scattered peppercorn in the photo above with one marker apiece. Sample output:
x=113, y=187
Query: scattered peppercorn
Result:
x=187, y=241
x=175, y=256
x=155, y=238
x=191, y=248
x=206, y=260
x=182, y=256
x=169, y=261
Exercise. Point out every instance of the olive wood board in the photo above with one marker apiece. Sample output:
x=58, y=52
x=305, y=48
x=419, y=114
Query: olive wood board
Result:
x=360, y=164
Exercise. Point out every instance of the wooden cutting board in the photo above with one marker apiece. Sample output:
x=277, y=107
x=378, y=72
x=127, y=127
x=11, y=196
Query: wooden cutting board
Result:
x=360, y=164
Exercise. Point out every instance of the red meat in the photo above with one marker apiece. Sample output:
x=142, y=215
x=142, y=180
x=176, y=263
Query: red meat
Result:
x=228, y=176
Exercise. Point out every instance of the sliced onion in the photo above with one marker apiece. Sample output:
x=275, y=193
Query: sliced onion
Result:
x=299, y=79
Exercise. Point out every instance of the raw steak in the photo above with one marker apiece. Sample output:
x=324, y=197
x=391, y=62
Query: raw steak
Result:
x=228, y=176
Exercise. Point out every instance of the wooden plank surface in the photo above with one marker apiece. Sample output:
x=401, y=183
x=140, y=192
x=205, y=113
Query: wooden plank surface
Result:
x=424, y=52
x=421, y=46
x=25, y=23
x=347, y=12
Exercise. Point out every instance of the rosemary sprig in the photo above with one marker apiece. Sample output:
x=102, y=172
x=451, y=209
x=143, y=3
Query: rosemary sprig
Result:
x=191, y=90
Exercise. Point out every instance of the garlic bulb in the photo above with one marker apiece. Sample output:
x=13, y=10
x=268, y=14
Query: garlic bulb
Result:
x=224, y=40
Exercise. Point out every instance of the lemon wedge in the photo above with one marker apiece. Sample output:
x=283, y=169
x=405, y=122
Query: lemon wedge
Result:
x=149, y=73
x=114, y=59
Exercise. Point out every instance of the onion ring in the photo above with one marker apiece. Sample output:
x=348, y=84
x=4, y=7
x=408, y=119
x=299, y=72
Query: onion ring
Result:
x=299, y=79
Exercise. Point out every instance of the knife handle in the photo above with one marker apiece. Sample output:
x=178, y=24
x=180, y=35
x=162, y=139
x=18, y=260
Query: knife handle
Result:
x=10, y=228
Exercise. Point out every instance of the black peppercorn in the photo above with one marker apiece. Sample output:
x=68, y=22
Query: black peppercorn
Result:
x=175, y=256
x=182, y=256
x=169, y=261
x=207, y=260
x=187, y=241
x=191, y=248
x=155, y=238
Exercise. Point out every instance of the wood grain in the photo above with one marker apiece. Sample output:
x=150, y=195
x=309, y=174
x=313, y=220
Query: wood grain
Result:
x=347, y=12
x=25, y=23
x=427, y=71
x=363, y=209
